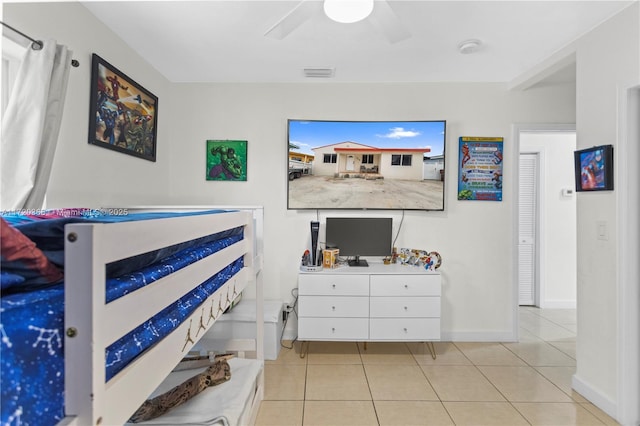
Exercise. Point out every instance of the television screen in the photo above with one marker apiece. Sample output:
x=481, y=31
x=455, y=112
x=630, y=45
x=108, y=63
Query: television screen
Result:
x=359, y=236
x=594, y=168
x=385, y=165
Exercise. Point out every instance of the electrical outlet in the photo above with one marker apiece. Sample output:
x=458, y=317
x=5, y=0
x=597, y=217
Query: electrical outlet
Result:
x=286, y=311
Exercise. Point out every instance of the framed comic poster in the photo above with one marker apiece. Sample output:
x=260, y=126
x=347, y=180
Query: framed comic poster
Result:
x=123, y=114
x=480, y=169
x=226, y=160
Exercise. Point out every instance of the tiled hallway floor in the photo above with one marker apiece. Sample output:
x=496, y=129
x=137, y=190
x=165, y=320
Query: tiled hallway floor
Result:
x=399, y=384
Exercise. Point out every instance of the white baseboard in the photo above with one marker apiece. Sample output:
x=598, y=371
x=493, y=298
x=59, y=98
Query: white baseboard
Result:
x=594, y=396
x=291, y=333
x=558, y=304
x=446, y=337
x=479, y=336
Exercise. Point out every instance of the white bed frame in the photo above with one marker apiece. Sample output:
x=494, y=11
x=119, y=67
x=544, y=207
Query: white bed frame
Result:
x=91, y=325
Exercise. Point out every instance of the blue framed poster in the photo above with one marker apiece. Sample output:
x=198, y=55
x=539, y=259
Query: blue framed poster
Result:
x=480, y=168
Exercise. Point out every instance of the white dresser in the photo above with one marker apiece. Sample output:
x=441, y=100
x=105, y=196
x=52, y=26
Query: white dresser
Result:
x=376, y=303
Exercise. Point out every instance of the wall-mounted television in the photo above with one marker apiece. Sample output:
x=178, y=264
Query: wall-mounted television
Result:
x=366, y=165
x=594, y=168
x=359, y=236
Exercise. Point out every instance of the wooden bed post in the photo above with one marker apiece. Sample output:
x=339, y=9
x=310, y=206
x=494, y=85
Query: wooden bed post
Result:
x=81, y=323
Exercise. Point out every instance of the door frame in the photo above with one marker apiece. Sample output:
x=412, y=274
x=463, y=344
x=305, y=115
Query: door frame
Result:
x=516, y=130
x=628, y=201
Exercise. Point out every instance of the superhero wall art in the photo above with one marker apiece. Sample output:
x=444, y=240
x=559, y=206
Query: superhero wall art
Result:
x=226, y=160
x=480, y=169
x=123, y=113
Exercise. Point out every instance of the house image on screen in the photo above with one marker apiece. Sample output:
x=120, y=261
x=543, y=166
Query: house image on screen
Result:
x=351, y=159
x=433, y=167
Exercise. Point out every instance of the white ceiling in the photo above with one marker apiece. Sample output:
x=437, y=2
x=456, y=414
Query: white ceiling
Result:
x=224, y=41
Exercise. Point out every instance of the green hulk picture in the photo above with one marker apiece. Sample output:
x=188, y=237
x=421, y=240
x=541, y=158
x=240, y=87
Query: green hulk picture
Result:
x=226, y=160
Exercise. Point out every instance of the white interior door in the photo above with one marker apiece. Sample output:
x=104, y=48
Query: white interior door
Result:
x=527, y=229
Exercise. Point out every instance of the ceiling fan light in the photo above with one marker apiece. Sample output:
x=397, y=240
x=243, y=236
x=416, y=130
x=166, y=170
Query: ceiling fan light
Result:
x=348, y=11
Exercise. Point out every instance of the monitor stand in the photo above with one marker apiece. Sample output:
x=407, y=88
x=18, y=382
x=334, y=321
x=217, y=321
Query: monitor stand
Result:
x=358, y=262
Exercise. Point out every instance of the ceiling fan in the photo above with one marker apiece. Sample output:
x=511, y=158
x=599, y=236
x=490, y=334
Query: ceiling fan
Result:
x=378, y=12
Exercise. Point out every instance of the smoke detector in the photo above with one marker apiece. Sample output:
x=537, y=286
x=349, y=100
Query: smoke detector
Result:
x=469, y=46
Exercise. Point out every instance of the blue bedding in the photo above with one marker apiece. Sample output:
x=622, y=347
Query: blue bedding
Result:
x=32, y=365
x=48, y=235
x=32, y=324
x=121, y=352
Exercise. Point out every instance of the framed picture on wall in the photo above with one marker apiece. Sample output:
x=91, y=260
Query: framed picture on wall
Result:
x=226, y=160
x=594, y=169
x=480, y=168
x=123, y=114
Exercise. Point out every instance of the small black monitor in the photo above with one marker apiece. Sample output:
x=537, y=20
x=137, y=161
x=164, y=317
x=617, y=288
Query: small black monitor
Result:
x=359, y=236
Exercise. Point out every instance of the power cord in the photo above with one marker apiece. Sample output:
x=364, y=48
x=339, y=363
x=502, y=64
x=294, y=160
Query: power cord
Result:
x=293, y=307
x=399, y=228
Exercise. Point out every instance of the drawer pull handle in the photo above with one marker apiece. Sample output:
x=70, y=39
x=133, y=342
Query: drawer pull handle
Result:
x=406, y=308
x=333, y=286
x=333, y=330
x=406, y=286
x=405, y=329
x=333, y=308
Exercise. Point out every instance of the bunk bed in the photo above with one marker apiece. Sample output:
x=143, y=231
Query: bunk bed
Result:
x=99, y=345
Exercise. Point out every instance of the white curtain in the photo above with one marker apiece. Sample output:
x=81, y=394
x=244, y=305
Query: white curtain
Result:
x=31, y=124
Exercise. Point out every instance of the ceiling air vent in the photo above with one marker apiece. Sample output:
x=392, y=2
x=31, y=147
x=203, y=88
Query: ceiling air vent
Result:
x=319, y=72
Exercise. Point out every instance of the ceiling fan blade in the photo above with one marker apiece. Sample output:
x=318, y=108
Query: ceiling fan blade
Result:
x=388, y=23
x=292, y=20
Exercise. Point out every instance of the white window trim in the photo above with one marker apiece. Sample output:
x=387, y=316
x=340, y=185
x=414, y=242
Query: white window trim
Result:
x=12, y=54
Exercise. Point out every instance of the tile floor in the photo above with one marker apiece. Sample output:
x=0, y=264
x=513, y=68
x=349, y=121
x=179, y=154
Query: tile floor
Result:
x=399, y=384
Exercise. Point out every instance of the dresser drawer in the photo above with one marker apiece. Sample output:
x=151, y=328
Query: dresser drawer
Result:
x=333, y=306
x=405, y=285
x=333, y=329
x=405, y=307
x=401, y=329
x=333, y=284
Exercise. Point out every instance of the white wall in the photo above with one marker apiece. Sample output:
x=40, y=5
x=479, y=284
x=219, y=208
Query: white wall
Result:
x=557, y=216
x=608, y=61
x=83, y=174
x=473, y=237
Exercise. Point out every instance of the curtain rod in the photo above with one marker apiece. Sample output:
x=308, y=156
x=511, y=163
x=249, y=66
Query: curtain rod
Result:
x=35, y=44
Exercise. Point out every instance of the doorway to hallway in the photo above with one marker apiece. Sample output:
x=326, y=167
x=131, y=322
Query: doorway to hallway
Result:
x=546, y=219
